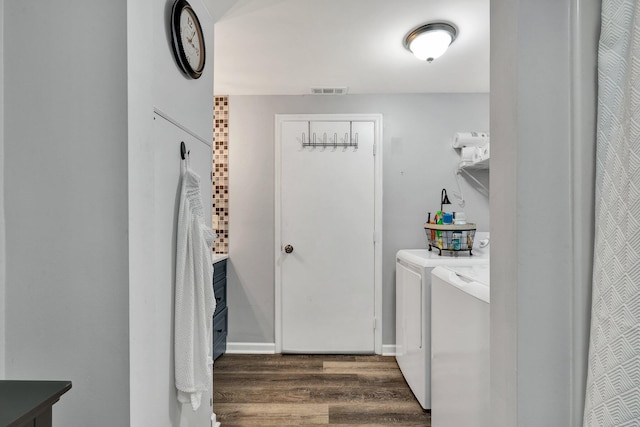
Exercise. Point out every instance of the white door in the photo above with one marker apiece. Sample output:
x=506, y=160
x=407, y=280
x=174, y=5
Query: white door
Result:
x=327, y=217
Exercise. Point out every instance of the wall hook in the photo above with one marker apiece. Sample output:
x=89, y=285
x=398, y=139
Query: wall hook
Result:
x=183, y=150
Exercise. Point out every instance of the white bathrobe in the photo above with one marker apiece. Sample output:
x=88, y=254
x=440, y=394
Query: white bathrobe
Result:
x=194, y=298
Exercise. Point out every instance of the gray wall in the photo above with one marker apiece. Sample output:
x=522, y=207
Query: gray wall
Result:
x=153, y=186
x=2, y=227
x=90, y=196
x=543, y=93
x=65, y=182
x=418, y=162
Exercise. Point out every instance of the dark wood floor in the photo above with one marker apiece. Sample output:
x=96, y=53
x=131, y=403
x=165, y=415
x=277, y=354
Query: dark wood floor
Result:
x=312, y=390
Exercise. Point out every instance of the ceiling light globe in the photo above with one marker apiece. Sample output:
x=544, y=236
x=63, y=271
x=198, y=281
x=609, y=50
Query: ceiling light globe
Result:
x=431, y=45
x=430, y=41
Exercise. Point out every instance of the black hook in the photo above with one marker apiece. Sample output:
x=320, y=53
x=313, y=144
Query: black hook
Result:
x=444, y=200
x=183, y=150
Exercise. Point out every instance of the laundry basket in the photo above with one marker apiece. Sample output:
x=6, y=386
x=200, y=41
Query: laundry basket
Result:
x=450, y=237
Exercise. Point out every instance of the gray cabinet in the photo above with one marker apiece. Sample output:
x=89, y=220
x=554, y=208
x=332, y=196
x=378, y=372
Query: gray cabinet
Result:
x=220, y=315
x=29, y=403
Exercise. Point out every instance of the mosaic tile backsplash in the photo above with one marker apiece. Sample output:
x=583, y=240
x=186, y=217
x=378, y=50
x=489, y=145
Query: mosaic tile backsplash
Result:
x=220, y=219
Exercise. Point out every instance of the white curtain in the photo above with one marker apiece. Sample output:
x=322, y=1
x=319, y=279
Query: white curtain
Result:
x=613, y=383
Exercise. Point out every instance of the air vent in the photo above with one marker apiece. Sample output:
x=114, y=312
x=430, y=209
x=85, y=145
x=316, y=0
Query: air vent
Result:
x=328, y=90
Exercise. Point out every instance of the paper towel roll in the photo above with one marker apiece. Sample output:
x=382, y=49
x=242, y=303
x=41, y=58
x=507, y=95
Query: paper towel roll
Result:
x=470, y=139
x=466, y=154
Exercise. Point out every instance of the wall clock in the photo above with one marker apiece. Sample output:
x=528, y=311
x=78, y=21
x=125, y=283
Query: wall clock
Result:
x=188, y=39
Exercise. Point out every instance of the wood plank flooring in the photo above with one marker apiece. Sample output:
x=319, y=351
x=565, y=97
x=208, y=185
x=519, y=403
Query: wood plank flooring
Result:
x=313, y=390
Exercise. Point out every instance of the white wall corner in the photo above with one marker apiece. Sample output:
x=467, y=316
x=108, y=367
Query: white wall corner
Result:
x=532, y=87
x=585, y=18
x=218, y=8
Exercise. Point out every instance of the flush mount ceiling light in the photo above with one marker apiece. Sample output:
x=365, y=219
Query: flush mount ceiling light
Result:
x=430, y=41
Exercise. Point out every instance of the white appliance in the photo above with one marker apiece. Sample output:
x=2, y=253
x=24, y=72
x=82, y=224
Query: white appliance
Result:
x=460, y=346
x=413, y=309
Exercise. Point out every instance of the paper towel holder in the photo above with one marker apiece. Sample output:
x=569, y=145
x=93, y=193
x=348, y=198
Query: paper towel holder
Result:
x=444, y=199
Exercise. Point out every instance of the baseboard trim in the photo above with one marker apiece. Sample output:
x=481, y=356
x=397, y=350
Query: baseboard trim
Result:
x=251, y=348
x=388, y=349
x=270, y=348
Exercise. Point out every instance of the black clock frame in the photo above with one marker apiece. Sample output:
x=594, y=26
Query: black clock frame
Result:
x=178, y=48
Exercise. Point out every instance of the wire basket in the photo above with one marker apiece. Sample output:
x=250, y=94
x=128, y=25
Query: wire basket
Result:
x=450, y=237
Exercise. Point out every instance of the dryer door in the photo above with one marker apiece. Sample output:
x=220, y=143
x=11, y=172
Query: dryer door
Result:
x=411, y=351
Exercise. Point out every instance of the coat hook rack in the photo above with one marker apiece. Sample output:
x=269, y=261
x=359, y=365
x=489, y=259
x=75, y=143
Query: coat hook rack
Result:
x=323, y=142
x=183, y=150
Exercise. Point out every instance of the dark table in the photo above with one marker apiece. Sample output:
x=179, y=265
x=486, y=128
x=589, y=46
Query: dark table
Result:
x=28, y=403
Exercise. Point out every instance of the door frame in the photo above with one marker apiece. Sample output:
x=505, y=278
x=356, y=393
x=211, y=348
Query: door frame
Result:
x=377, y=232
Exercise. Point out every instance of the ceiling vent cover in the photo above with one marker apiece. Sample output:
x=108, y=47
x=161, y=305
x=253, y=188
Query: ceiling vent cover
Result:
x=328, y=90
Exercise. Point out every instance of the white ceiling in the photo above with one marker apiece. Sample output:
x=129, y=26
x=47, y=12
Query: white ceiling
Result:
x=265, y=47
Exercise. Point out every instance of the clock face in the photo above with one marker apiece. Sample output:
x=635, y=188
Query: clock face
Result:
x=191, y=39
x=188, y=40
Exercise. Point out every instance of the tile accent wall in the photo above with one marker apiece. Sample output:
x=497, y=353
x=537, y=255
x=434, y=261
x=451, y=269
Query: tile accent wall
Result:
x=221, y=174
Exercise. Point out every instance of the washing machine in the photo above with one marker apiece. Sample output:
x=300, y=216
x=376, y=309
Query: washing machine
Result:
x=460, y=356
x=413, y=308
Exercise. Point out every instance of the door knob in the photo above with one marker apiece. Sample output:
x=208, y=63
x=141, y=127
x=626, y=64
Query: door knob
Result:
x=288, y=249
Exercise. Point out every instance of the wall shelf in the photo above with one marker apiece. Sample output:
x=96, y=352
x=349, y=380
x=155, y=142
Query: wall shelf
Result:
x=469, y=167
x=473, y=166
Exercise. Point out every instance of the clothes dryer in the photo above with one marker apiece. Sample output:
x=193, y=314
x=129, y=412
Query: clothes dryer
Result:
x=413, y=309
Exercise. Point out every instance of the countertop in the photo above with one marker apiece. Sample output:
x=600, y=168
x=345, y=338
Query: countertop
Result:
x=218, y=257
x=22, y=401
